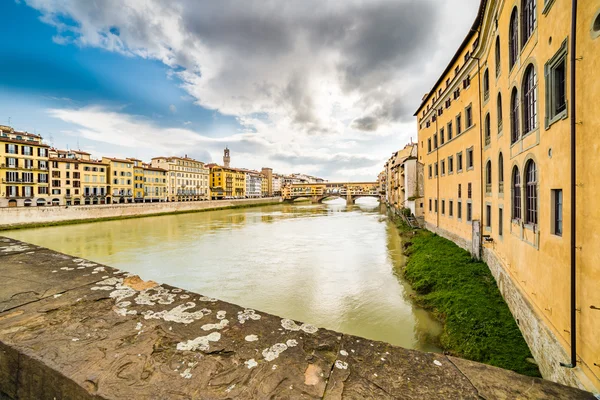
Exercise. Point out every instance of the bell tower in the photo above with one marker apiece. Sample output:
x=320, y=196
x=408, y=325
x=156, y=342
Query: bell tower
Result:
x=226, y=158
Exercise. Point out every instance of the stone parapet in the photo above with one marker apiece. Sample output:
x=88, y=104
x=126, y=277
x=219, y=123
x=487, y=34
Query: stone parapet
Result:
x=74, y=329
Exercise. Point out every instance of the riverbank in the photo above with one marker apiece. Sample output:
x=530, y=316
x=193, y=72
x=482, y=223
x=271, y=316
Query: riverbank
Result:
x=75, y=329
x=462, y=293
x=37, y=217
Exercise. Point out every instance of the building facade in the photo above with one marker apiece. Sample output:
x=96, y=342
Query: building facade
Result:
x=268, y=182
x=188, y=179
x=154, y=184
x=254, y=184
x=277, y=184
x=120, y=175
x=401, y=180
x=24, y=169
x=506, y=151
x=227, y=183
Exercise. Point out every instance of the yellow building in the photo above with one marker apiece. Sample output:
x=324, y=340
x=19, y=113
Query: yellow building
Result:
x=23, y=168
x=403, y=181
x=508, y=134
x=138, y=180
x=154, y=184
x=188, y=179
x=120, y=175
x=76, y=179
x=227, y=183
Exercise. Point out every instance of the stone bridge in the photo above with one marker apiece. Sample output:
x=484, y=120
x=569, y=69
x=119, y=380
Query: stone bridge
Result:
x=317, y=192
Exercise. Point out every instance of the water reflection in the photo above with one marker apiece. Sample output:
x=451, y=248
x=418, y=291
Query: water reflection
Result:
x=332, y=265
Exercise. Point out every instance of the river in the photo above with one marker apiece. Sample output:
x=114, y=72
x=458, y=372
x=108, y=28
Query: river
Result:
x=331, y=265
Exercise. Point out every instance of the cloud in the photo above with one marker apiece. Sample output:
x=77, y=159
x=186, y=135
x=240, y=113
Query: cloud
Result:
x=352, y=69
x=172, y=108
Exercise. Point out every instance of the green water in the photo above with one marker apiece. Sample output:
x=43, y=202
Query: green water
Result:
x=331, y=265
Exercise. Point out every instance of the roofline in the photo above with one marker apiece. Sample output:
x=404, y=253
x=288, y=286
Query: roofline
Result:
x=472, y=31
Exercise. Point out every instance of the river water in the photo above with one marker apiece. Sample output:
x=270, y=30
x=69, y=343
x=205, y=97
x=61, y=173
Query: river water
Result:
x=331, y=265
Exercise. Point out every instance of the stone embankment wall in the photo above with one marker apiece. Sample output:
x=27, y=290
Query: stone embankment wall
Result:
x=544, y=345
x=74, y=329
x=10, y=217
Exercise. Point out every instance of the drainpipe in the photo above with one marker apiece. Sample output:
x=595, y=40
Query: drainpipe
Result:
x=573, y=61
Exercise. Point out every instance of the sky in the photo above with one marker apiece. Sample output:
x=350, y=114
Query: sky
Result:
x=324, y=87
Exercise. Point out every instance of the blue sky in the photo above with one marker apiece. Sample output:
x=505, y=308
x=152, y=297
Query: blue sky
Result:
x=331, y=94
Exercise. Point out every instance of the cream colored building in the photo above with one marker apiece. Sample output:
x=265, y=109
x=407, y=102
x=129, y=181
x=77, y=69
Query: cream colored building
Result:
x=509, y=136
x=188, y=179
x=154, y=184
x=24, y=169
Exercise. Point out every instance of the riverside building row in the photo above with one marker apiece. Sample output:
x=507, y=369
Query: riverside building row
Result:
x=34, y=174
x=508, y=138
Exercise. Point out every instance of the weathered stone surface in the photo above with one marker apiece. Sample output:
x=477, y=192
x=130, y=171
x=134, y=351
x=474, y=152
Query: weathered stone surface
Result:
x=89, y=331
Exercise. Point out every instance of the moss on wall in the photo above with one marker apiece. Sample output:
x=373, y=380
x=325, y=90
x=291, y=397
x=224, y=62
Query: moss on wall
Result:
x=463, y=294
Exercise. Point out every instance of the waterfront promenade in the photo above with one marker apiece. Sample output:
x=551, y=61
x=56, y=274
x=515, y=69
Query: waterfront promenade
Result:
x=32, y=216
x=74, y=329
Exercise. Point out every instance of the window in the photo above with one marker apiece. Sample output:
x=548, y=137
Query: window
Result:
x=513, y=38
x=468, y=117
x=531, y=199
x=430, y=171
x=528, y=19
x=516, y=195
x=449, y=126
x=430, y=205
x=499, y=112
x=487, y=130
x=458, y=125
x=500, y=228
x=497, y=56
x=450, y=207
x=488, y=216
x=486, y=84
x=459, y=210
x=436, y=205
x=488, y=177
x=500, y=173
x=556, y=86
x=443, y=207
x=429, y=145
x=469, y=190
x=441, y=136
x=450, y=164
x=469, y=212
x=470, y=158
x=514, y=116
x=459, y=190
x=557, y=217
x=435, y=141
x=459, y=162
x=12, y=149
x=467, y=82
x=435, y=169
x=443, y=167
x=529, y=100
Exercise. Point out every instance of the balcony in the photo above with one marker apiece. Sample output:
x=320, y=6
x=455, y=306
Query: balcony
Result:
x=18, y=181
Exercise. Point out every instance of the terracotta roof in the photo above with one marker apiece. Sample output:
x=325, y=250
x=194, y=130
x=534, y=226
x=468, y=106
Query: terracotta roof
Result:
x=118, y=160
x=75, y=160
x=27, y=142
x=472, y=32
x=154, y=168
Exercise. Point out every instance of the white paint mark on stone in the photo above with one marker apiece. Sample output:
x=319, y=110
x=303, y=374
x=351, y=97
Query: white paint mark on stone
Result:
x=274, y=351
x=251, y=363
x=209, y=327
x=343, y=352
x=291, y=343
x=221, y=314
x=57, y=295
x=292, y=326
x=339, y=364
x=247, y=314
x=14, y=247
x=251, y=338
x=230, y=388
x=187, y=373
x=75, y=339
x=138, y=326
x=102, y=288
x=184, y=296
x=274, y=367
x=67, y=269
x=201, y=343
x=176, y=290
x=209, y=299
x=155, y=295
x=178, y=314
x=375, y=375
x=436, y=362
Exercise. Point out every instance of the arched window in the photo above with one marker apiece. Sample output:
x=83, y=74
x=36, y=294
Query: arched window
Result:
x=513, y=38
x=529, y=100
x=488, y=177
x=528, y=19
x=499, y=111
x=486, y=84
x=514, y=116
x=487, y=130
x=516, y=194
x=531, y=215
x=500, y=173
x=497, y=56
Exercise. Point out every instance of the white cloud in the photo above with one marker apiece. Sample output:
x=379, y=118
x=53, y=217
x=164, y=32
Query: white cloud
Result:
x=172, y=108
x=353, y=72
